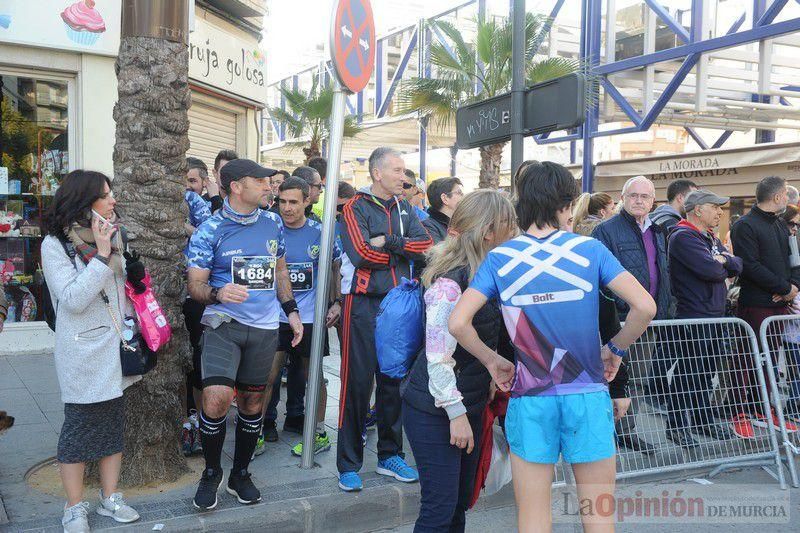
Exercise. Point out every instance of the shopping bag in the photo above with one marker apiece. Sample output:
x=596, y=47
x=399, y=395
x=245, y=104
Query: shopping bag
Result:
x=400, y=328
x=499, y=474
x=153, y=325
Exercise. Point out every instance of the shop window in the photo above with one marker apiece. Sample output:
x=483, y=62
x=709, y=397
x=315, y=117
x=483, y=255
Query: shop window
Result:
x=34, y=158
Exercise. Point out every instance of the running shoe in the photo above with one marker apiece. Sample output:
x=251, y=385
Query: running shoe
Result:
x=241, y=486
x=743, y=427
x=76, y=518
x=322, y=443
x=206, y=496
x=364, y=437
x=759, y=420
x=372, y=418
x=397, y=468
x=350, y=482
x=260, y=447
x=187, y=439
x=115, y=507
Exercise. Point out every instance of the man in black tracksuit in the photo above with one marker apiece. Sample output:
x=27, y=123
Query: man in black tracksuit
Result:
x=381, y=235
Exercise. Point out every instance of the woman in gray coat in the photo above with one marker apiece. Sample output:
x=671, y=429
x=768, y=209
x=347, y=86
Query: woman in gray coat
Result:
x=82, y=260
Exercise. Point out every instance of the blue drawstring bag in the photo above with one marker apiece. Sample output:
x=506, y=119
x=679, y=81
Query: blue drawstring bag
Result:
x=400, y=328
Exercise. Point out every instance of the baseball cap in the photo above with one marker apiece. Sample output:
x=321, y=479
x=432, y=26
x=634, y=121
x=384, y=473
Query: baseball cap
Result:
x=700, y=197
x=241, y=168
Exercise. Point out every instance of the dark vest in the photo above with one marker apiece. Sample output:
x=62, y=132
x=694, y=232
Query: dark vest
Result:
x=472, y=378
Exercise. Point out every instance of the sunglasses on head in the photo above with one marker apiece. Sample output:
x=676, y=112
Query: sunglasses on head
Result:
x=407, y=185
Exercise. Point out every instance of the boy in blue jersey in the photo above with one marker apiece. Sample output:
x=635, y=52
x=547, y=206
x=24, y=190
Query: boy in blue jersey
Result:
x=547, y=282
x=303, y=239
x=238, y=270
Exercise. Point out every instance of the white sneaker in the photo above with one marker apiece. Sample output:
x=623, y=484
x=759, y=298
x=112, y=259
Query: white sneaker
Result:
x=115, y=507
x=76, y=518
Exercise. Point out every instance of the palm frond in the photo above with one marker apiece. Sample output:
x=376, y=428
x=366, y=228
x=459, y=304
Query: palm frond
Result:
x=463, y=51
x=351, y=126
x=448, y=65
x=551, y=68
x=293, y=124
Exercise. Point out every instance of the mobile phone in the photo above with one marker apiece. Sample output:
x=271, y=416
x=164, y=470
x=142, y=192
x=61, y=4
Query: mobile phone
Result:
x=101, y=217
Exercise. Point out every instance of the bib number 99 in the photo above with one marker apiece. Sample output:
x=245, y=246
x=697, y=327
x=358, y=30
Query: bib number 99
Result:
x=301, y=275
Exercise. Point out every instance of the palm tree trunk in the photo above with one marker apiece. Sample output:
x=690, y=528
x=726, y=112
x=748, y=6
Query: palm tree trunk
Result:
x=491, y=157
x=312, y=150
x=149, y=168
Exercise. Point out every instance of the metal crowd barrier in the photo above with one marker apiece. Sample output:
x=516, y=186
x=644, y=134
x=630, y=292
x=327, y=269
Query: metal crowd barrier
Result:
x=702, y=378
x=780, y=342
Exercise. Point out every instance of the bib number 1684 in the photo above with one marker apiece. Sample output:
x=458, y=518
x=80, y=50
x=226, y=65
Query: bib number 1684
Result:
x=256, y=273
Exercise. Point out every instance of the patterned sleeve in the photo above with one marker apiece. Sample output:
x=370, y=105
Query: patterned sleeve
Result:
x=199, y=211
x=440, y=299
x=200, y=252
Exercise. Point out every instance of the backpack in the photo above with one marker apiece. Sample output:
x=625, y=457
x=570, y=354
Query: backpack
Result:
x=400, y=326
x=48, y=309
x=400, y=329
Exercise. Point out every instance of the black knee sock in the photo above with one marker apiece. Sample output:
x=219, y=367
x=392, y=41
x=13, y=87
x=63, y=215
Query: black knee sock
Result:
x=248, y=428
x=212, y=435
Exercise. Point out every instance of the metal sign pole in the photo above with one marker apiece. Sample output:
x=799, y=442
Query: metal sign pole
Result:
x=517, y=85
x=324, y=274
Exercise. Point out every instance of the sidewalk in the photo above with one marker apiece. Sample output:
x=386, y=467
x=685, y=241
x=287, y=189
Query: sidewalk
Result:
x=293, y=499
x=29, y=392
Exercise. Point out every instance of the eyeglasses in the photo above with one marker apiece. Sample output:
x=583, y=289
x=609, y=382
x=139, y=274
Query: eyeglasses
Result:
x=794, y=225
x=642, y=197
x=317, y=185
x=407, y=185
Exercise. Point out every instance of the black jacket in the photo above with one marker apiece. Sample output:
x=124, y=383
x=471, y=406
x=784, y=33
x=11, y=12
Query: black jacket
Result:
x=472, y=378
x=436, y=224
x=761, y=239
x=698, y=280
x=378, y=270
x=623, y=237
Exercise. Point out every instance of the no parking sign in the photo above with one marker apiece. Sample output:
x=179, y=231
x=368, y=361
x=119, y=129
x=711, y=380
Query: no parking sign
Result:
x=353, y=43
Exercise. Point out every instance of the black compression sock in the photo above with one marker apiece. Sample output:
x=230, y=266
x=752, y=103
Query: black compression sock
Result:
x=212, y=435
x=248, y=429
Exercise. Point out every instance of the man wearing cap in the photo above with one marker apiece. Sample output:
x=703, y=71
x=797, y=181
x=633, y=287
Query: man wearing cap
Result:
x=699, y=264
x=238, y=270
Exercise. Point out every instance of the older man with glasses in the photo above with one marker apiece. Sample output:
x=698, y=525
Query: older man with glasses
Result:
x=640, y=246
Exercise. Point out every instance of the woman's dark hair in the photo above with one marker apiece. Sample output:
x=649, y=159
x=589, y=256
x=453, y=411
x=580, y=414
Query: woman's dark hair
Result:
x=544, y=189
x=73, y=200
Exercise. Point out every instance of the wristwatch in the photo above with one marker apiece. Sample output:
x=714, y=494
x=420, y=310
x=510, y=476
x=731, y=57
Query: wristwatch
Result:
x=213, y=295
x=616, y=350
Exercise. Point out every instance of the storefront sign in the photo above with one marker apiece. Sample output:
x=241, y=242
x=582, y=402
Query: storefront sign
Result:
x=223, y=61
x=89, y=26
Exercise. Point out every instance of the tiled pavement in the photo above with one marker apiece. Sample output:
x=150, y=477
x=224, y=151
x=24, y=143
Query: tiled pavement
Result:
x=29, y=391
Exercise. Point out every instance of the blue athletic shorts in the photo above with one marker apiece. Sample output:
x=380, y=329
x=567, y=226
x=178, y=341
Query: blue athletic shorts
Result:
x=580, y=427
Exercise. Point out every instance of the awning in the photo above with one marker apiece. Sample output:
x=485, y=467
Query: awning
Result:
x=731, y=172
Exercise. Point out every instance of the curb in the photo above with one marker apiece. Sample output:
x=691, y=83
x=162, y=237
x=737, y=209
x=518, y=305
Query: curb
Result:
x=298, y=507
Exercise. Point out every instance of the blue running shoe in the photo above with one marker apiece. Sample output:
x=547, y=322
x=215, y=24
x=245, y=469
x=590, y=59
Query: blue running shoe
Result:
x=397, y=468
x=372, y=418
x=350, y=482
